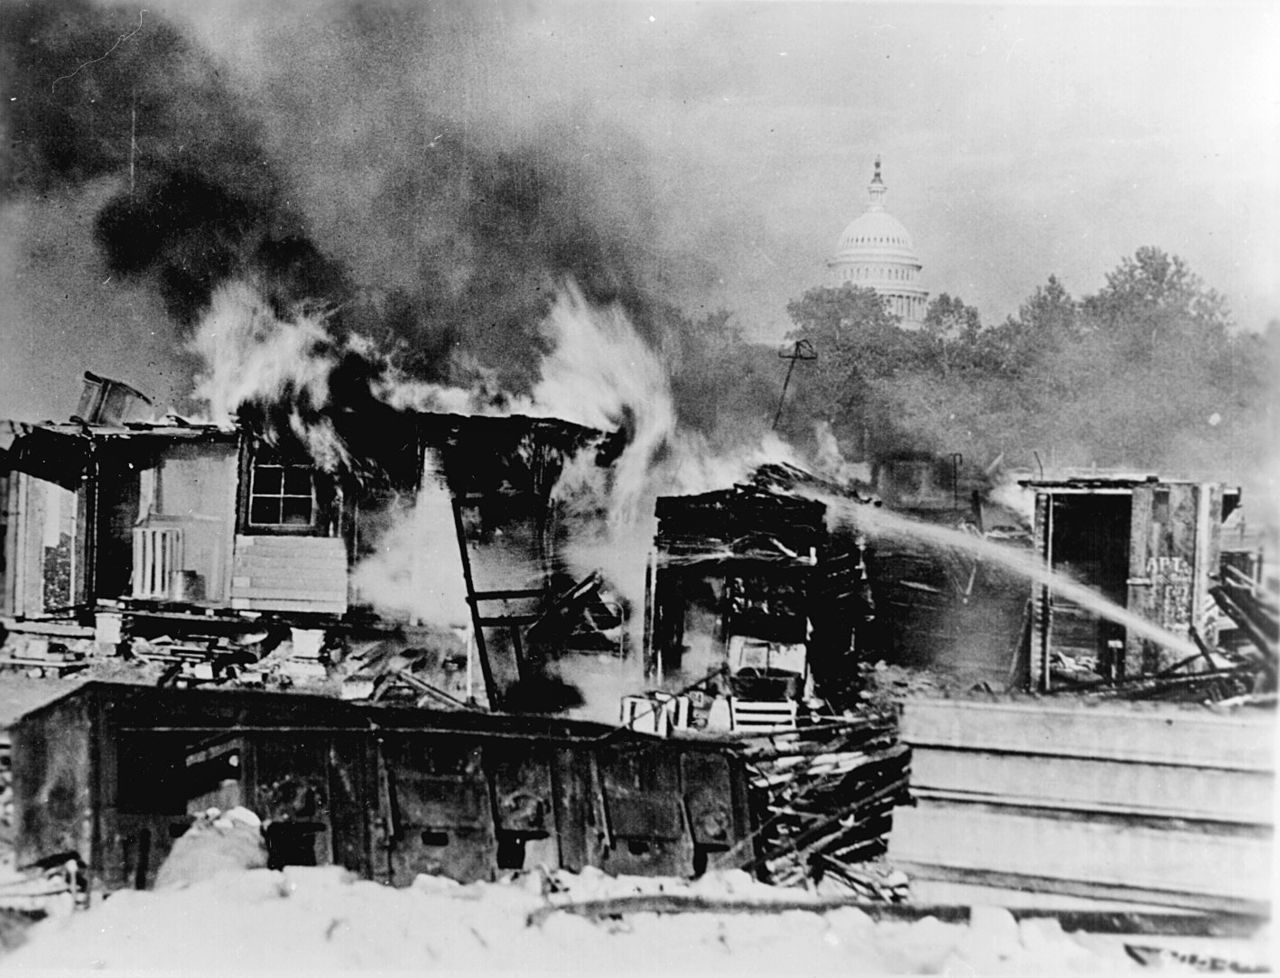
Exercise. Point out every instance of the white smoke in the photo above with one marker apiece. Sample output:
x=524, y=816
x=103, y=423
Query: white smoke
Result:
x=416, y=569
x=1015, y=498
x=830, y=461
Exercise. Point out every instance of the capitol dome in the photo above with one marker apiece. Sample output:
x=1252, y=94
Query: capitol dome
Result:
x=876, y=252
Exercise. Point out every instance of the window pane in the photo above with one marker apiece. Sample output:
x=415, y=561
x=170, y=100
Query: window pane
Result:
x=297, y=482
x=297, y=511
x=265, y=511
x=266, y=480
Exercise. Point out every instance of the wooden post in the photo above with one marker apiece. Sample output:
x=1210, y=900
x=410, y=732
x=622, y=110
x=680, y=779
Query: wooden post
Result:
x=482, y=651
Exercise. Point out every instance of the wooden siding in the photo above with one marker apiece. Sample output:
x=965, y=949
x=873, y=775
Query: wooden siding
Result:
x=1163, y=804
x=289, y=573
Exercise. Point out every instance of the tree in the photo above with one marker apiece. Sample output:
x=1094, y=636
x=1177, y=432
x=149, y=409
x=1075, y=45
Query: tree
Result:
x=950, y=330
x=1153, y=299
x=853, y=331
x=1151, y=362
x=723, y=387
x=1051, y=312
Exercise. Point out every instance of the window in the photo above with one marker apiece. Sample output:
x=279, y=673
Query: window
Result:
x=281, y=493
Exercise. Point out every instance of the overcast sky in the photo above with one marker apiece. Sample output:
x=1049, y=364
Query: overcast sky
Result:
x=1017, y=142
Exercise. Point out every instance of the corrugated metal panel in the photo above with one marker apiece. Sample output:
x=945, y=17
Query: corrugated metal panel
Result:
x=289, y=573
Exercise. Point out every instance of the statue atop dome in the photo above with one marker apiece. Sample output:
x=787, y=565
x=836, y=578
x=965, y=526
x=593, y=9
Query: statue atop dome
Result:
x=876, y=189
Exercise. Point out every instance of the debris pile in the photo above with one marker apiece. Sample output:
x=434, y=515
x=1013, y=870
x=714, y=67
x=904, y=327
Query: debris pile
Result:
x=825, y=797
x=39, y=656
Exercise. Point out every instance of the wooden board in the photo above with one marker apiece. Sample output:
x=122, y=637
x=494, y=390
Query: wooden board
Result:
x=1101, y=852
x=1136, y=732
x=1087, y=785
x=937, y=884
x=289, y=573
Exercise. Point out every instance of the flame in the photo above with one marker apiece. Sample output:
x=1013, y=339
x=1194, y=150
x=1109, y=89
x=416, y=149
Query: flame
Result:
x=251, y=355
x=602, y=374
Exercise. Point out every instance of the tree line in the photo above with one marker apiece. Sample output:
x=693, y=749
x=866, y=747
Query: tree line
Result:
x=1148, y=373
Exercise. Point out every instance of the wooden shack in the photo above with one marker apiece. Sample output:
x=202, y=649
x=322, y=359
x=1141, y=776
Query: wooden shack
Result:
x=1148, y=545
x=111, y=774
x=144, y=529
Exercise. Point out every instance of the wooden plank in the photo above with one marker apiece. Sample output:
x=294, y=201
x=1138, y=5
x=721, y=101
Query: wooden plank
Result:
x=303, y=574
x=1040, y=894
x=289, y=582
x=304, y=597
x=35, y=626
x=1234, y=867
x=1081, y=784
x=1141, y=586
x=286, y=575
x=1134, y=732
x=255, y=563
x=269, y=554
x=31, y=596
x=1121, y=920
x=290, y=544
x=284, y=604
x=1038, y=672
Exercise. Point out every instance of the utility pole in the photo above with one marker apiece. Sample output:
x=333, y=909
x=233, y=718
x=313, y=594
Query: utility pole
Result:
x=133, y=137
x=803, y=350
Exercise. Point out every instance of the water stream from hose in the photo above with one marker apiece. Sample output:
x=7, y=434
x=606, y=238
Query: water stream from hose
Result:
x=879, y=523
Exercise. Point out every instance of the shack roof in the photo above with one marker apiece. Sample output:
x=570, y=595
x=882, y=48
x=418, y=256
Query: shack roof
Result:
x=744, y=522
x=60, y=452
x=212, y=711
x=1113, y=483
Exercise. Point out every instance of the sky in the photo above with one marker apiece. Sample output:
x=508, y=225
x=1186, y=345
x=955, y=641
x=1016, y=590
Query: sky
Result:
x=727, y=143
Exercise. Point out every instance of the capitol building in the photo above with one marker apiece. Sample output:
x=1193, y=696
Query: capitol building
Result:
x=876, y=252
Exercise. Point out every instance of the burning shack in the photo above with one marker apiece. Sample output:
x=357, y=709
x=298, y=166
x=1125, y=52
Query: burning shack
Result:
x=116, y=531
x=749, y=581
x=1149, y=546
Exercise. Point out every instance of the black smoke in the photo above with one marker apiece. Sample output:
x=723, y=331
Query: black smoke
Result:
x=442, y=242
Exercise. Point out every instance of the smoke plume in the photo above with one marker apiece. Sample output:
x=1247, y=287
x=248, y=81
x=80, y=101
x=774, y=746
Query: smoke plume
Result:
x=359, y=182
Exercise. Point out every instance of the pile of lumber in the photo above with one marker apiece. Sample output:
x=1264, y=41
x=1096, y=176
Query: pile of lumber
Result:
x=825, y=795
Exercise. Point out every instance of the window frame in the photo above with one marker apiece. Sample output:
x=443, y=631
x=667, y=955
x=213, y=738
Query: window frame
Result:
x=259, y=455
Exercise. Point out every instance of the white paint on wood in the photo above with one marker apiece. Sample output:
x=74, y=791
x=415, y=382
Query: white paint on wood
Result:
x=1092, y=785
x=960, y=836
x=289, y=573
x=1135, y=732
